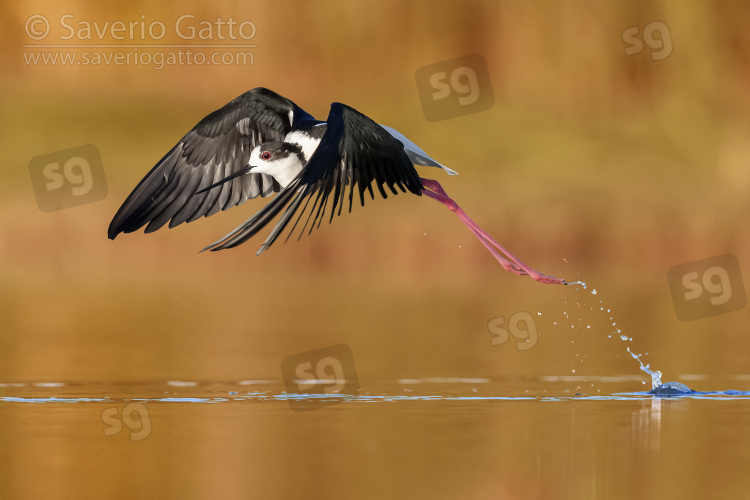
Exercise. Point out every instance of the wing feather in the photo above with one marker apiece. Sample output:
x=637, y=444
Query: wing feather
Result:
x=219, y=145
x=354, y=151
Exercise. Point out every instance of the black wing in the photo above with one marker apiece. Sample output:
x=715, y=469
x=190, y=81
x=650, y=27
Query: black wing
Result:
x=217, y=147
x=354, y=151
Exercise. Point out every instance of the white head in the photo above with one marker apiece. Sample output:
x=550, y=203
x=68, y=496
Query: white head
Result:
x=281, y=160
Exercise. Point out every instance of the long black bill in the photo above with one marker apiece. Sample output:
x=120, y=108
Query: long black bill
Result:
x=238, y=173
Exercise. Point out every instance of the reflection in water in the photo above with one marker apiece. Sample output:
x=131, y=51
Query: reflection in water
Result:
x=645, y=429
x=437, y=437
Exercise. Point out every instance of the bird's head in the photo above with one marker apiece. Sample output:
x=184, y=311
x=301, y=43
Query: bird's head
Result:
x=281, y=160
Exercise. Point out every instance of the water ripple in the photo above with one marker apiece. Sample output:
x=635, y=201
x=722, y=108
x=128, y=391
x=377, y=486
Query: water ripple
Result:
x=425, y=390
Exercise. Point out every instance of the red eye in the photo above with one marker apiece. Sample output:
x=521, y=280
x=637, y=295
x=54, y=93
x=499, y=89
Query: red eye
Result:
x=265, y=155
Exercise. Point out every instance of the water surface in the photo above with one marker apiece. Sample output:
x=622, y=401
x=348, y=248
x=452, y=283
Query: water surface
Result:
x=409, y=438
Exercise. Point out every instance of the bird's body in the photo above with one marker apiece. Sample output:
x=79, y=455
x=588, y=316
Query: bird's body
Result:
x=261, y=143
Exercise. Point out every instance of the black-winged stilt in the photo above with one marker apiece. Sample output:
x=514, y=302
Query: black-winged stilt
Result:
x=261, y=143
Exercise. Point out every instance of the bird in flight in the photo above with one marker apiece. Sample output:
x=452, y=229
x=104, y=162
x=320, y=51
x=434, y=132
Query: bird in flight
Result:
x=262, y=143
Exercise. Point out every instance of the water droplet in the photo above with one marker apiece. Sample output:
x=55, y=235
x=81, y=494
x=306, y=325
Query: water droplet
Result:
x=593, y=292
x=624, y=337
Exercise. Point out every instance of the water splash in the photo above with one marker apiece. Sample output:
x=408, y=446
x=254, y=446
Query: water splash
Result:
x=655, y=376
x=672, y=389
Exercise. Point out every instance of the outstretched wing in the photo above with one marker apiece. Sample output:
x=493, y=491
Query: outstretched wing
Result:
x=354, y=151
x=218, y=146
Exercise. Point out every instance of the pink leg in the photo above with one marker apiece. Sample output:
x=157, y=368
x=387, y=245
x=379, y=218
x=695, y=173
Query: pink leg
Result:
x=434, y=190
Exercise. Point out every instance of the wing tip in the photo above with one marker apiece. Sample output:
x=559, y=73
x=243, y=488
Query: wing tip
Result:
x=116, y=227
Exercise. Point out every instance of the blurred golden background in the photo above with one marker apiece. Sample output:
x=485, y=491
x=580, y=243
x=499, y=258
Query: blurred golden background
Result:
x=599, y=161
x=592, y=164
